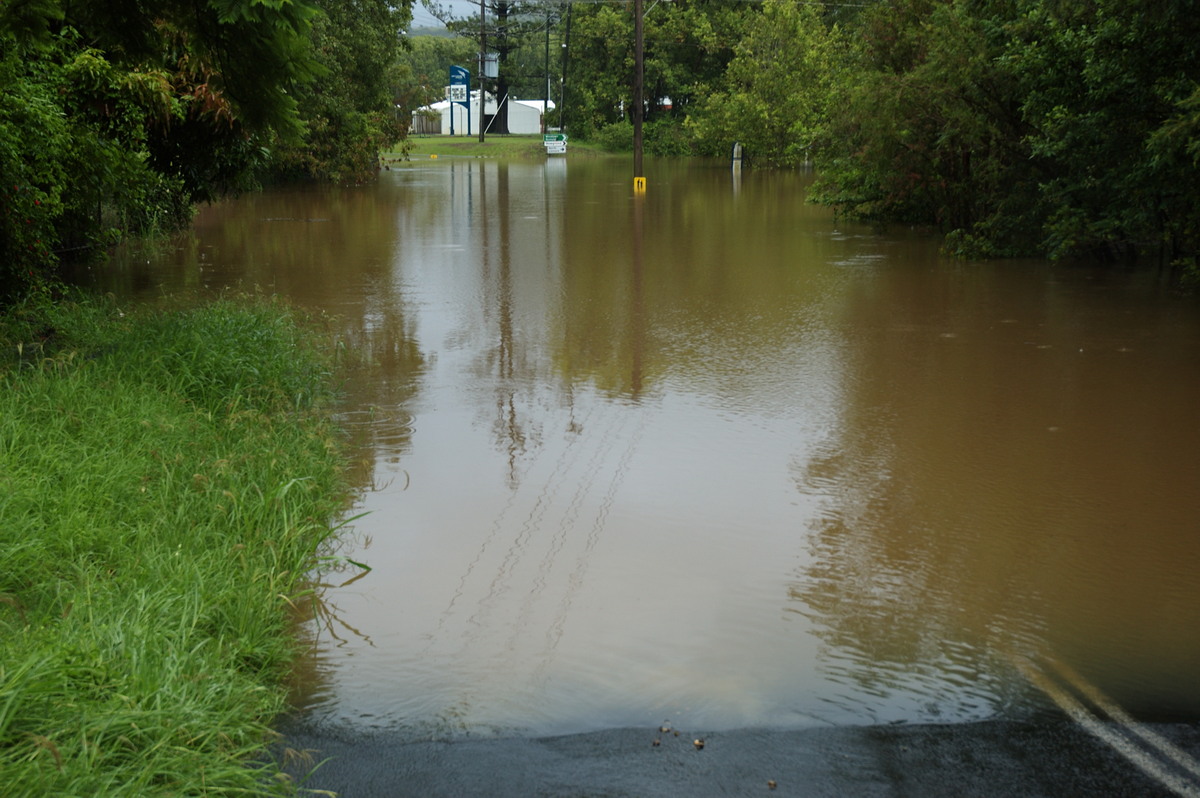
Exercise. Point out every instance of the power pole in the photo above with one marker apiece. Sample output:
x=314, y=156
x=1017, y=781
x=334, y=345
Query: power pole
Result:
x=562, y=89
x=546, y=73
x=482, y=56
x=639, y=181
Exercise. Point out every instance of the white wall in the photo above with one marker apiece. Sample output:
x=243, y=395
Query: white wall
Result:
x=524, y=116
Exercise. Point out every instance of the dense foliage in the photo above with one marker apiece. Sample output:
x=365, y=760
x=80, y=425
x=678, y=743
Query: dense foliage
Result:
x=117, y=117
x=349, y=111
x=1020, y=127
x=1016, y=126
x=774, y=93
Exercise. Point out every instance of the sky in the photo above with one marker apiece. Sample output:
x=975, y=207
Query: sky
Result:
x=423, y=19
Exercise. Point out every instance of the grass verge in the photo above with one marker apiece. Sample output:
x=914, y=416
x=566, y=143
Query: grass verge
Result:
x=166, y=482
x=498, y=146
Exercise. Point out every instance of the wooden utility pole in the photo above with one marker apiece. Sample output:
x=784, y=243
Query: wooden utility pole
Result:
x=639, y=181
x=482, y=85
x=562, y=88
x=546, y=73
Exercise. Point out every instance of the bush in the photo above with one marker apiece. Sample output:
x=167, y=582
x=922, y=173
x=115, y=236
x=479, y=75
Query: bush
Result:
x=667, y=137
x=616, y=137
x=75, y=178
x=33, y=138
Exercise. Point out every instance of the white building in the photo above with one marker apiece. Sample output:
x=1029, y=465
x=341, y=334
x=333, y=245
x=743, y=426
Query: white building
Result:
x=524, y=116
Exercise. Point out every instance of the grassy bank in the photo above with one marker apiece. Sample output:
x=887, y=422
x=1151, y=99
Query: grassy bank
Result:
x=508, y=146
x=164, y=486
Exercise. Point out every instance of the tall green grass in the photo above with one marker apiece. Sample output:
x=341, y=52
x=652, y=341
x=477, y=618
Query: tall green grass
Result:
x=166, y=481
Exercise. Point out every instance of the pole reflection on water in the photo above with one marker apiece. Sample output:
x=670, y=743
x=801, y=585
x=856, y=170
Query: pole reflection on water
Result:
x=705, y=455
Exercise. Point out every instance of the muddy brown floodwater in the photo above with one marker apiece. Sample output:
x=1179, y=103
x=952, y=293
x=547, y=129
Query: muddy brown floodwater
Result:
x=714, y=458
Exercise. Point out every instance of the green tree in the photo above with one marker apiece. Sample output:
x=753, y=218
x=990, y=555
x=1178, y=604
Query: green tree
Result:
x=926, y=128
x=349, y=110
x=1108, y=89
x=1023, y=126
x=776, y=90
x=32, y=134
x=687, y=47
x=600, y=69
x=74, y=129
x=116, y=116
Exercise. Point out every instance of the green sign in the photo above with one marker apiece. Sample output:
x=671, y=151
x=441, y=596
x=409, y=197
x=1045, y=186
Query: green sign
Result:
x=554, y=137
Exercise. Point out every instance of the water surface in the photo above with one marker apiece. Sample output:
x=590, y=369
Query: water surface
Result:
x=711, y=457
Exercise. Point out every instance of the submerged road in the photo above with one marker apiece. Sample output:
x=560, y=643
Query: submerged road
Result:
x=1052, y=758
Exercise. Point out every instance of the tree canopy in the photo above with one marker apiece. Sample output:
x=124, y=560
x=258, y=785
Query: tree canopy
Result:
x=349, y=110
x=1024, y=127
x=118, y=116
x=1015, y=126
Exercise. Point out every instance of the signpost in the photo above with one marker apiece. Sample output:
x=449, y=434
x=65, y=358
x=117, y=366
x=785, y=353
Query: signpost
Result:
x=460, y=93
x=555, y=143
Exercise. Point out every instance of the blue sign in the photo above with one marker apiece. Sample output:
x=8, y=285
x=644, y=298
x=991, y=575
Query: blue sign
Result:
x=460, y=82
x=460, y=93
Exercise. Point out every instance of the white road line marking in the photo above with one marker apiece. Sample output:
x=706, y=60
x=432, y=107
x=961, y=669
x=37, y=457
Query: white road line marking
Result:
x=1133, y=752
x=1092, y=693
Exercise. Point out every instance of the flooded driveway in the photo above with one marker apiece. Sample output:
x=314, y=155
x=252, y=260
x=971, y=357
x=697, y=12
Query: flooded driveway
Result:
x=714, y=459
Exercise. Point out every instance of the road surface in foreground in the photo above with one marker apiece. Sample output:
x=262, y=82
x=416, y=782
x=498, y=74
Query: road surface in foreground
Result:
x=1054, y=758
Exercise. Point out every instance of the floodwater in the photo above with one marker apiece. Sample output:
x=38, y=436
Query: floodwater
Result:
x=710, y=457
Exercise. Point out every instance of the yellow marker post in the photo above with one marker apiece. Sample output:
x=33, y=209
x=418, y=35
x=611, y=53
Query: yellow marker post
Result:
x=639, y=185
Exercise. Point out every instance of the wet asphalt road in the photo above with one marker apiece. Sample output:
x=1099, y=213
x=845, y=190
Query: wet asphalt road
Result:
x=1052, y=758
